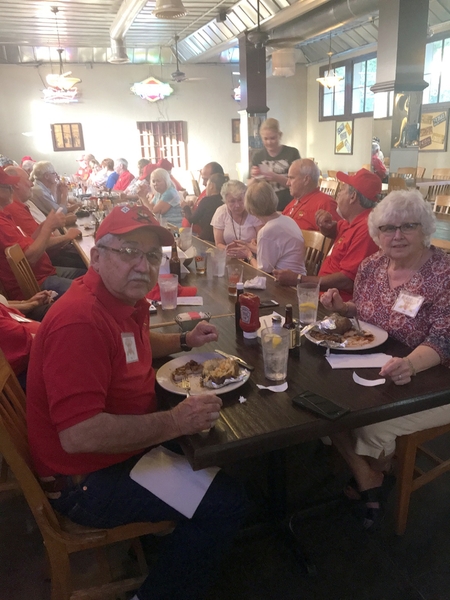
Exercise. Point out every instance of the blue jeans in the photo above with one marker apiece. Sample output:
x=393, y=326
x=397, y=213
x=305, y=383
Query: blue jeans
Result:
x=62, y=281
x=190, y=559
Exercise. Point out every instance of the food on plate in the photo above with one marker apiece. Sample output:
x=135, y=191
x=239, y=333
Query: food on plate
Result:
x=217, y=370
x=190, y=368
x=341, y=324
x=336, y=329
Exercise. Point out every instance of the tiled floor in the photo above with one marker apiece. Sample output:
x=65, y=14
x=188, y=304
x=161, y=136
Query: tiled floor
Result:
x=351, y=565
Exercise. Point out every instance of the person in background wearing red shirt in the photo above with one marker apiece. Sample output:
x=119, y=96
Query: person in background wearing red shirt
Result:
x=377, y=164
x=125, y=177
x=356, y=198
x=303, y=184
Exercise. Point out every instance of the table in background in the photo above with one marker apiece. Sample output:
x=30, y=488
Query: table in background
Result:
x=268, y=421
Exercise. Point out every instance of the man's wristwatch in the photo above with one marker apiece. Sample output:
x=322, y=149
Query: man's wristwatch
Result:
x=299, y=278
x=183, y=344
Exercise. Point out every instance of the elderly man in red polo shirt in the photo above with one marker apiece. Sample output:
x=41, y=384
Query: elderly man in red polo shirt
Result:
x=355, y=200
x=303, y=184
x=48, y=277
x=92, y=425
x=125, y=177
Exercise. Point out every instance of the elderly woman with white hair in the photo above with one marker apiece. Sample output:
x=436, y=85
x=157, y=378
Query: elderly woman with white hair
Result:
x=166, y=201
x=279, y=244
x=404, y=289
x=231, y=222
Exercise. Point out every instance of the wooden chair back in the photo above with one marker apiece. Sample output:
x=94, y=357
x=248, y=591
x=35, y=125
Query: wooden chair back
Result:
x=61, y=536
x=22, y=271
x=441, y=174
x=367, y=167
x=442, y=205
x=442, y=244
x=396, y=183
x=437, y=190
x=408, y=171
x=387, y=161
x=332, y=174
x=409, y=476
x=420, y=172
x=317, y=247
x=329, y=186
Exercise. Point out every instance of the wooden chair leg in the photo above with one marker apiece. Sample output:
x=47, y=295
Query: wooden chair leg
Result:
x=61, y=579
x=406, y=455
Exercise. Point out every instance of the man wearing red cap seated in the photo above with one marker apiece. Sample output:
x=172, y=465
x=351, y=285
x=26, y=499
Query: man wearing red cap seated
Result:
x=356, y=198
x=89, y=428
x=48, y=277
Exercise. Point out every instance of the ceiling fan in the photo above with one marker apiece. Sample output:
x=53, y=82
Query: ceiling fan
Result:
x=261, y=39
x=178, y=76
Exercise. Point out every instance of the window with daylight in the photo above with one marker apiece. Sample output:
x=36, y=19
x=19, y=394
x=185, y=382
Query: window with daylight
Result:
x=164, y=139
x=334, y=98
x=437, y=74
x=364, y=77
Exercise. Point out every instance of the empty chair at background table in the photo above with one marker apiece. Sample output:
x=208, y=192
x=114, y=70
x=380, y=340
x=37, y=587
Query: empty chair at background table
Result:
x=441, y=174
x=407, y=171
x=317, y=247
x=332, y=175
x=329, y=186
x=420, y=172
x=442, y=205
x=396, y=183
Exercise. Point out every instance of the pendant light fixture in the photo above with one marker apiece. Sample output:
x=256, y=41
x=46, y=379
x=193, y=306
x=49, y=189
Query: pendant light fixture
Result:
x=169, y=9
x=60, y=87
x=331, y=79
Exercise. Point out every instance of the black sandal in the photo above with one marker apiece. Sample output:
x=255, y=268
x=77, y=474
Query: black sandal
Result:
x=355, y=495
x=373, y=516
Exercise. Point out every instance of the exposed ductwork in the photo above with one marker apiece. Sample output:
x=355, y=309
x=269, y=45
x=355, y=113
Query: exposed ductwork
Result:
x=128, y=11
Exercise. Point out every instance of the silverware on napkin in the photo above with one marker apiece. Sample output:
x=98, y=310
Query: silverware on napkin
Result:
x=237, y=359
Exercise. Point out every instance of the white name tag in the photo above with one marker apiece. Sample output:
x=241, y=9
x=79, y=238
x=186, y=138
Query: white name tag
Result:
x=408, y=304
x=129, y=346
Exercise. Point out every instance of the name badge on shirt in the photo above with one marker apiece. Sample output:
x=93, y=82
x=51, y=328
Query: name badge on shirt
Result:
x=129, y=346
x=408, y=304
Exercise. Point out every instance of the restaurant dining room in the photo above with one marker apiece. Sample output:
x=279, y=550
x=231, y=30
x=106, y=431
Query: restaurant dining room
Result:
x=224, y=300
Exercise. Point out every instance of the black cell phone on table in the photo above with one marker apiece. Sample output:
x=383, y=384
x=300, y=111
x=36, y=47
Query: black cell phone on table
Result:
x=320, y=406
x=268, y=304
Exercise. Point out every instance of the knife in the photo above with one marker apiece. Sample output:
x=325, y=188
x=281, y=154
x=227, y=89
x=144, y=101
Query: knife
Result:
x=237, y=359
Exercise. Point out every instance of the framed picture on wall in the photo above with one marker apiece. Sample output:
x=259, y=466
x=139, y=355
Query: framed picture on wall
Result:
x=344, y=137
x=433, y=131
x=67, y=137
x=236, y=131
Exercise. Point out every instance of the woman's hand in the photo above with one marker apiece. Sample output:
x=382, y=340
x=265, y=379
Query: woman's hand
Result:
x=239, y=249
x=398, y=369
x=331, y=300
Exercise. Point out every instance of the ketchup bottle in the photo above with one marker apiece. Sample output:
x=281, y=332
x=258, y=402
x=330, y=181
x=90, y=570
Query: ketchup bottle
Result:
x=249, y=321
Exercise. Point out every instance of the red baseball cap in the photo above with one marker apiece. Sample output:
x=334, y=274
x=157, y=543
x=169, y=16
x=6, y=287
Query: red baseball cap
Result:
x=163, y=163
x=148, y=170
x=123, y=219
x=368, y=184
x=6, y=179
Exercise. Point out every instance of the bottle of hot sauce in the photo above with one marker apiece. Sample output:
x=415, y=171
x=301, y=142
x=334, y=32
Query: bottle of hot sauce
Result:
x=249, y=321
x=174, y=262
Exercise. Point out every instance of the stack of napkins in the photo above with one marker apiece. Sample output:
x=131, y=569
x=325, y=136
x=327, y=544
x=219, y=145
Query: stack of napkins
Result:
x=358, y=361
x=257, y=283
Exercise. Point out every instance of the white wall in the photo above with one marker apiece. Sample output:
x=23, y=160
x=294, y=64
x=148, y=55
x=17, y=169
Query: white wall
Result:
x=108, y=112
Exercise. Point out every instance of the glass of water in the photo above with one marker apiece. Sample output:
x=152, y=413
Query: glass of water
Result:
x=308, y=300
x=275, y=345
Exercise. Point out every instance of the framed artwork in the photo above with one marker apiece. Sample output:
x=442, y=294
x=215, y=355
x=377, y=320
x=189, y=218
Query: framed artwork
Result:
x=344, y=137
x=67, y=137
x=433, y=131
x=235, y=131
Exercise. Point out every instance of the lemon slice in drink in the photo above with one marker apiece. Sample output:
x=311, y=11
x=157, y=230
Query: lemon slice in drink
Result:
x=306, y=305
x=276, y=339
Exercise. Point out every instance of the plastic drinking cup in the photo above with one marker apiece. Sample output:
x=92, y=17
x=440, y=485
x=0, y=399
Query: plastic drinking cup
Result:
x=308, y=300
x=234, y=272
x=168, y=287
x=275, y=345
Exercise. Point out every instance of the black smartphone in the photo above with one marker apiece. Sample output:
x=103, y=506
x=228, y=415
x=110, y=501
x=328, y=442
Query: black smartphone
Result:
x=320, y=406
x=268, y=304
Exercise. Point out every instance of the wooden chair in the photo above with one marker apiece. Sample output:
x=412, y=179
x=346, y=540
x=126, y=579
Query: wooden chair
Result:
x=329, y=186
x=410, y=477
x=61, y=536
x=332, y=175
x=22, y=271
x=396, y=183
x=387, y=161
x=367, y=167
x=441, y=174
x=443, y=244
x=442, y=205
x=408, y=171
x=420, y=172
x=317, y=247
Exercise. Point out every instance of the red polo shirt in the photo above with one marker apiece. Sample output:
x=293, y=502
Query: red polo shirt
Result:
x=11, y=234
x=16, y=336
x=22, y=216
x=78, y=369
x=125, y=178
x=352, y=244
x=303, y=210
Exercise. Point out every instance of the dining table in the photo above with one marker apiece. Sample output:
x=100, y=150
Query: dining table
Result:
x=254, y=421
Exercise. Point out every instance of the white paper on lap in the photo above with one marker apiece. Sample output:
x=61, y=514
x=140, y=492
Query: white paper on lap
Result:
x=170, y=477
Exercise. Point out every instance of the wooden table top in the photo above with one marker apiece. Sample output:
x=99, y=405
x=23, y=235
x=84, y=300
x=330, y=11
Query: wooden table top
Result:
x=268, y=421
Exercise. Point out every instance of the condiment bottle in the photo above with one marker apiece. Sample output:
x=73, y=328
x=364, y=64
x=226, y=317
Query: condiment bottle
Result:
x=174, y=262
x=276, y=323
x=290, y=325
x=237, y=306
x=249, y=321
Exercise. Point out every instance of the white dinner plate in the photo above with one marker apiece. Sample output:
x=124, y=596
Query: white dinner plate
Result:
x=164, y=376
x=380, y=336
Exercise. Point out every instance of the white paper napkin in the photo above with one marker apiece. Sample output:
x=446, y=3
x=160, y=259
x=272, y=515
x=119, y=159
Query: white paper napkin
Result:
x=358, y=361
x=189, y=301
x=257, y=283
x=282, y=387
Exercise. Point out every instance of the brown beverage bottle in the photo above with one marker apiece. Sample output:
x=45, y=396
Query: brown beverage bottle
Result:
x=290, y=325
x=174, y=262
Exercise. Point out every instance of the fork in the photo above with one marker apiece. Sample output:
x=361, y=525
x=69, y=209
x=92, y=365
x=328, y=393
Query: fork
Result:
x=186, y=385
x=358, y=326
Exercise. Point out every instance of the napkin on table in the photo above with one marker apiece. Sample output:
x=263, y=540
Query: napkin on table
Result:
x=257, y=283
x=358, y=361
